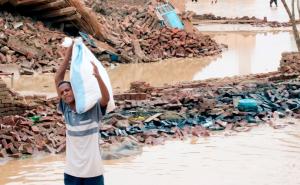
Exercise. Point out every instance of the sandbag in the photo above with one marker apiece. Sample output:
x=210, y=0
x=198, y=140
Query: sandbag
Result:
x=84, y=84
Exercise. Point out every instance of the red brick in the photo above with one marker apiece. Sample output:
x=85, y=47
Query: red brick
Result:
x=143, y=96
x=28, y=149
x=46, y=125
x=8, y=100
x=16, y=136
x=24, y=137
x=2, y=136
x=8, y=120
x=35, y=129
x=4, y=143
x=49, y=149
x=12, y=149
x=3, y=153
x=61, y=148
x=16, y=155
x=4, y=92
x=29, y=123
x=28, y=131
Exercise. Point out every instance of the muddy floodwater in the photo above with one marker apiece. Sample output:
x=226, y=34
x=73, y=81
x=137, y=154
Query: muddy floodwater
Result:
x=262, y=156
x=247, y=53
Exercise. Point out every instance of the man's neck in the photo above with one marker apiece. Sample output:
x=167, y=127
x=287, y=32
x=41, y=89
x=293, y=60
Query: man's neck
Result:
x=73, y=107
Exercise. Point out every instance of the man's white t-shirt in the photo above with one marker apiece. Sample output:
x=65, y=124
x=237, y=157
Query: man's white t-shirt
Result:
x=83, y=157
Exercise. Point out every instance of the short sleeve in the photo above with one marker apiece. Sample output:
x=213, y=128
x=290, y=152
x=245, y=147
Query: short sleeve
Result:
x=61, y=106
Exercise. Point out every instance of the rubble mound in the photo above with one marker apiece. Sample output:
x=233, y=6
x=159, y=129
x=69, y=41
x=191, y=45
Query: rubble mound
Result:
x=134, y=33
x=139, y=36
x=29, y=44
x=167, y=42
x=30, y=133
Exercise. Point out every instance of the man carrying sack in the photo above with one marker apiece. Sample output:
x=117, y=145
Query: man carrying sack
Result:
x=83, y=159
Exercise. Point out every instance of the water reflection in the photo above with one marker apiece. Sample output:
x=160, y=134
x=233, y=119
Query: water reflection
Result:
x=164, y=72
x=248, y=53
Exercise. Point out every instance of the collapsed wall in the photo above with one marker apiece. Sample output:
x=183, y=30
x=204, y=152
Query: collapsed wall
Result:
x=71, y=13
x=139, y=35
x=9, y=104
x=290, y=62
x=120, y=3
x=135, y=34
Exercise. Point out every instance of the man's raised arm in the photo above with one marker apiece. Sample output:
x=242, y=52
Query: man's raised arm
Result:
x=104, y=91
x=60, y=74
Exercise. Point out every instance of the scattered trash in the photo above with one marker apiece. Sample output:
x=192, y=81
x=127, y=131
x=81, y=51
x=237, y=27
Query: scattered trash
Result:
x=35, y=119
x=247, y=105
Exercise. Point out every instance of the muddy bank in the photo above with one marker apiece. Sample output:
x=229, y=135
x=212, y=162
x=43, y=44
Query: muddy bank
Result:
x=237, y=8
x=253, y=21
x=148, y=115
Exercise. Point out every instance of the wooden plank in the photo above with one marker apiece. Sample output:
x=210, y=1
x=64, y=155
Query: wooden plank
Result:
x=56, y=4
x=138, y=50
x=152, y=117
x=27, y=2
x=68, y=18
x=61, y=12
x=102, y=46
x=90, y=23
x=3, y=42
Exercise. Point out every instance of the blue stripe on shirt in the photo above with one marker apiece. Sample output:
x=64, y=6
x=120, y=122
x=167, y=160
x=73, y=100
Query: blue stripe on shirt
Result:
x=83, y=132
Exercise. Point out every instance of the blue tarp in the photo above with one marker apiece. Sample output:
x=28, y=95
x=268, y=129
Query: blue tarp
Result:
x=168, y=13
x=173, y=20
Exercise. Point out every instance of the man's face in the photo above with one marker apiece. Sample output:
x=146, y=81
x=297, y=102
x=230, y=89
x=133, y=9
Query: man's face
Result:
x=66, y=93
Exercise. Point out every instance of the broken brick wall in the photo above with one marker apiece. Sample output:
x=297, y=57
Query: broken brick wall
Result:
x=8, y=103
x=179, y=4
x=290, y=62
x=121, y=3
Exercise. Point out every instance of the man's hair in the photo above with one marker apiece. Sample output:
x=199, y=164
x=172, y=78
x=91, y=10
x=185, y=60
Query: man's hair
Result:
x=63, y=82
